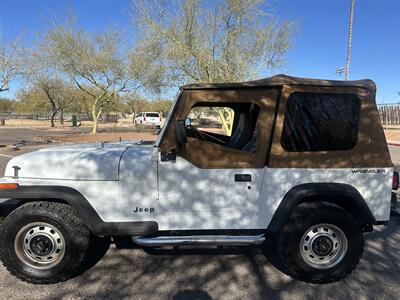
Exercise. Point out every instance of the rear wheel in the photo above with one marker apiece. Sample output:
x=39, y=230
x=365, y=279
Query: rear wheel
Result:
x=321, y=243
x=44, y=242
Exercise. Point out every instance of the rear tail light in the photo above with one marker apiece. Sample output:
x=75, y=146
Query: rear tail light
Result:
x=160, y=118
x=395, y=181
x=144, y=118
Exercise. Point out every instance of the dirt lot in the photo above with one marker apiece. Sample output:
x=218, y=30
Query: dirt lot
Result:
x=104, y=137
x=13, y=135
x=392, y=135
x=29, y=123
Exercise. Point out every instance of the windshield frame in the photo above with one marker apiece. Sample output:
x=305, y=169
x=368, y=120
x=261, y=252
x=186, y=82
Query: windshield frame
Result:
x=168, y=120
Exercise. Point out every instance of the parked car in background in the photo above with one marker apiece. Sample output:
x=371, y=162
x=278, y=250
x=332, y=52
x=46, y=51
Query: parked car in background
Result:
x=149, y=118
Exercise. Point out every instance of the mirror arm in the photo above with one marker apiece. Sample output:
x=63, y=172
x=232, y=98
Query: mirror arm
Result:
x=180, y=132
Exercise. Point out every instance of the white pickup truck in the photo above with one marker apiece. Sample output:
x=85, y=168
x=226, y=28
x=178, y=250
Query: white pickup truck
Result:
x=303, y=161
x=149, y=119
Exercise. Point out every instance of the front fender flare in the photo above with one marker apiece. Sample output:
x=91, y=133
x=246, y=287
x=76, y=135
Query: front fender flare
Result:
x=83, y=207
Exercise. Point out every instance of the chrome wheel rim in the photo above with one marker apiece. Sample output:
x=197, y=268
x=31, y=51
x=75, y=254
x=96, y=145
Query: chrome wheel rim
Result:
x=40, y=245
x=323, y=246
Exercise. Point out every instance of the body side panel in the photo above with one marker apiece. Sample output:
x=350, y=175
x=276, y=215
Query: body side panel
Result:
x=375, y=188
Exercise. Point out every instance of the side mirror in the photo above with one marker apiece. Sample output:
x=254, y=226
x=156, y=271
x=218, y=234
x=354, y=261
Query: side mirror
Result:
x=188, y=122
x=180, y=132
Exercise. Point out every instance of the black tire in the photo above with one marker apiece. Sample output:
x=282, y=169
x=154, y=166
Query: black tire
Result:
x=63, y=218
x=309, y=215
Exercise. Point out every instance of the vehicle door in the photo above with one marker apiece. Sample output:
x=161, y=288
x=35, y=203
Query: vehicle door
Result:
x=221, y=166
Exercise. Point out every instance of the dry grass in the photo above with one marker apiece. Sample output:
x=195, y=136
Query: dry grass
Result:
x=46, y=123
x=33, y=123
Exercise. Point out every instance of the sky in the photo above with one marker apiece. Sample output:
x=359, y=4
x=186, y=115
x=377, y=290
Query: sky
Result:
x=319, y=45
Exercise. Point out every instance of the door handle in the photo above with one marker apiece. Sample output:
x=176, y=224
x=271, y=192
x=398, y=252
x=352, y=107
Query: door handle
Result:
x=243, y=177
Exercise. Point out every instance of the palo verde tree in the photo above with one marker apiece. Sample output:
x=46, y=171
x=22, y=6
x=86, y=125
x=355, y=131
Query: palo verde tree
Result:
x=94, y=62
x=57, y=93
x=46, y=82
x=221, y=41
x=10, y=62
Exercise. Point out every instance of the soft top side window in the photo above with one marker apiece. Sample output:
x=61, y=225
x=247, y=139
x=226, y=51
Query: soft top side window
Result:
x=231, y=125
x=320, y=122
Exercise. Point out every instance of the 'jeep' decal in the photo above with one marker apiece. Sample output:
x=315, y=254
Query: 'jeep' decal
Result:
x=146, y=209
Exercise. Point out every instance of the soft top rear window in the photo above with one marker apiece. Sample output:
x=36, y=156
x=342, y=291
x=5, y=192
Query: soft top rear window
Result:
x=321, y=122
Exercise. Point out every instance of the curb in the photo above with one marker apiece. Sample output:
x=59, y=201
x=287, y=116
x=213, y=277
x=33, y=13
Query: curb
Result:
x=394, y=144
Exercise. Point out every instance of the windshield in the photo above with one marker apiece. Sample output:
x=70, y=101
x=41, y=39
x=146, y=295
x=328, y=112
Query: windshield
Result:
x=167, y=120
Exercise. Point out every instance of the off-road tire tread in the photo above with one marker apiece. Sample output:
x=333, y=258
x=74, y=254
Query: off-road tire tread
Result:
x=78, y=231
x=300, y=213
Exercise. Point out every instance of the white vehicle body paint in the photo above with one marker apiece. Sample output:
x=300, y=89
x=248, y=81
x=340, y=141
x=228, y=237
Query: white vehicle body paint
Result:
x=116, y=179
x=71, y=162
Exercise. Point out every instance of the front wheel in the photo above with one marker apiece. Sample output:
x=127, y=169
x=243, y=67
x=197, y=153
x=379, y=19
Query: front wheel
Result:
x=321, y=243
x=44, y=242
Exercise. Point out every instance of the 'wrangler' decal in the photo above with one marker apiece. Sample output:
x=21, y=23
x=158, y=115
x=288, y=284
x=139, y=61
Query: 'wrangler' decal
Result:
x=368, y=171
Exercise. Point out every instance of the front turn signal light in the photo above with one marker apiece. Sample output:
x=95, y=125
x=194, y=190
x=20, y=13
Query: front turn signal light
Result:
x=8, y=185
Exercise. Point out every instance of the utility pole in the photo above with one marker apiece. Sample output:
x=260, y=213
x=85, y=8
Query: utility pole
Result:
x=349, y=40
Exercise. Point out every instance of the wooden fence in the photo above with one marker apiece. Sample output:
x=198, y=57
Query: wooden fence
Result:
x=389, y=114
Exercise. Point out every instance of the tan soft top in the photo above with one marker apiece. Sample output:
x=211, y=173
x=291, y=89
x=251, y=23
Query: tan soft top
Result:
x=272, y=95
x=280, y=80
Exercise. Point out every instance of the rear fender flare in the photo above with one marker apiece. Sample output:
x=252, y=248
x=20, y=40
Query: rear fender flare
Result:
x=341, y=194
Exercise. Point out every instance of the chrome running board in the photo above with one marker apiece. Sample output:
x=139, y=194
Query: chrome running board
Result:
x=231, y=240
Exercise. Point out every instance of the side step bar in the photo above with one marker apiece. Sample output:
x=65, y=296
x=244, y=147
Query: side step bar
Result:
x=199, y=240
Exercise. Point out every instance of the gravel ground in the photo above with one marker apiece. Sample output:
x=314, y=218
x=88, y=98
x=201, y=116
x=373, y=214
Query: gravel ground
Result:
x=218, y=274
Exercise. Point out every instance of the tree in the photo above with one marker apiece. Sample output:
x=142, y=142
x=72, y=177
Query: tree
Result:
x=94, y=62
x=6, y=105
x=136, y=103
x=10, y=62
x=162, y=106
x=31, y=101
x=47, y=81
x=224, y=41
x=57, y=94
x=50, y=95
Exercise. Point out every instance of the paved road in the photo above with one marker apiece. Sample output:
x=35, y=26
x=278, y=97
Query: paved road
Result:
x=240, y=274
x=10, y=135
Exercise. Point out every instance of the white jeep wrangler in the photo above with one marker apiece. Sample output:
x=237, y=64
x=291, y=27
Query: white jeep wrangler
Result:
x=302, y=161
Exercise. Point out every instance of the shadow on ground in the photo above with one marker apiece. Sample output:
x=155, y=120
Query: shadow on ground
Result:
x=219, y=274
